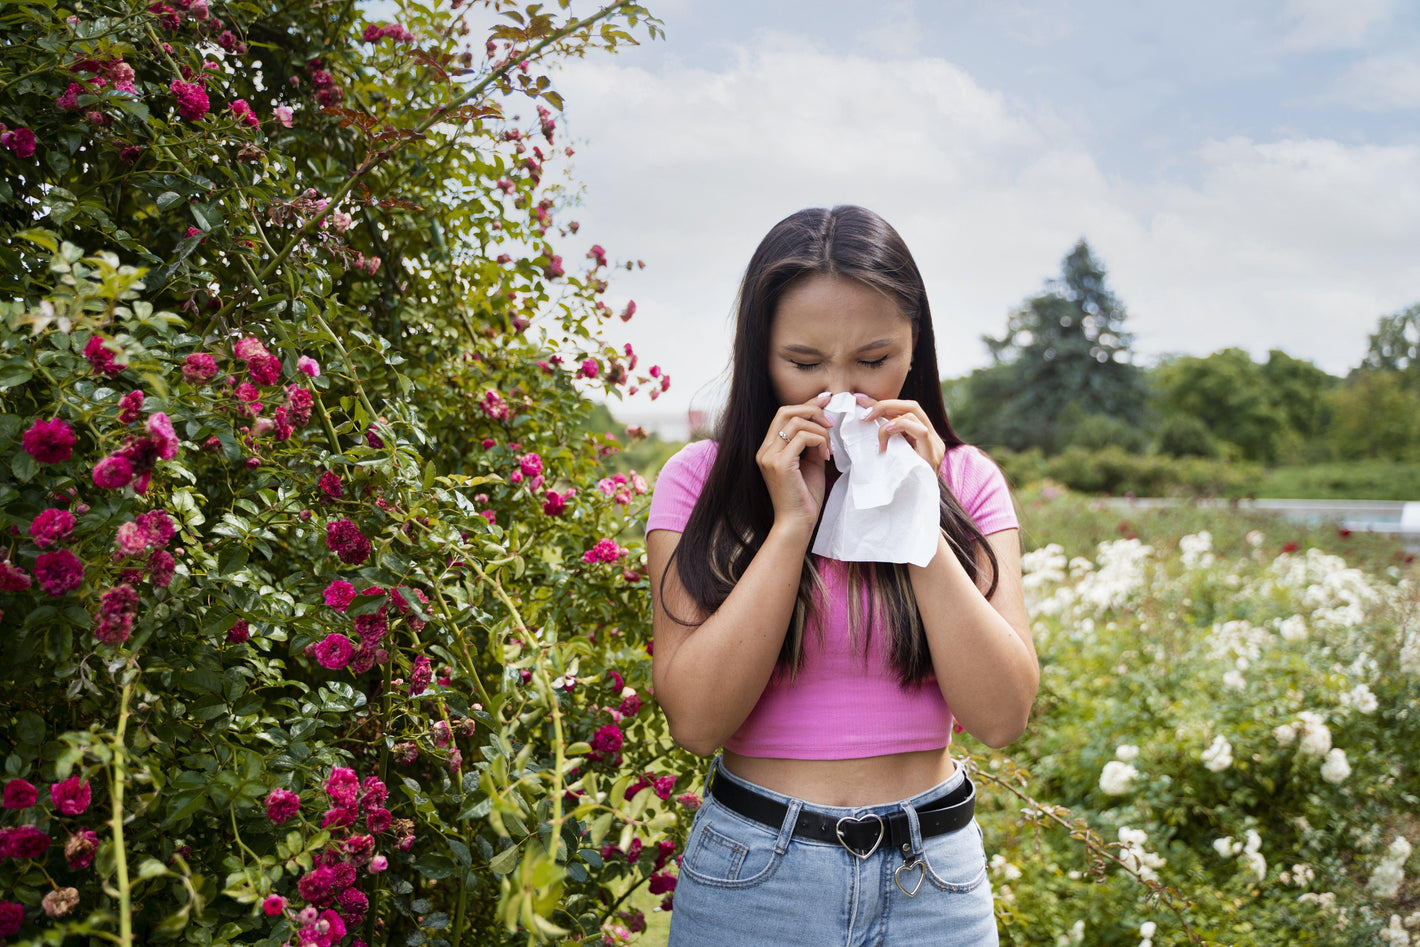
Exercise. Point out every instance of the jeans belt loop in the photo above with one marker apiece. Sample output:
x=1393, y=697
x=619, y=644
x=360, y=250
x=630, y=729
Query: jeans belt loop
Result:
x=786, y=831
x=914, y=835
x=711, y=773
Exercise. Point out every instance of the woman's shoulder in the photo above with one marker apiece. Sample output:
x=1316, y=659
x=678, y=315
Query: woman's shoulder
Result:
x=692, y=462
x=980, y=487
x=678, y=486
x=967, y=461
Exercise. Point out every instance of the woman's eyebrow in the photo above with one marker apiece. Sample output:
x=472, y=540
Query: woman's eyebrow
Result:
x=797, y=349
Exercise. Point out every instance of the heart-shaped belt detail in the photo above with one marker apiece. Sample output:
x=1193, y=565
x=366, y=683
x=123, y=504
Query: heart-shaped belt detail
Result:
x=897, y=877
x=850, y=822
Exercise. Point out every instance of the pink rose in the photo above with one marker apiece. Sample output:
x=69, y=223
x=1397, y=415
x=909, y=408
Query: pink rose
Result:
x=101, y=358
x=12, y=577
x=165, y=439
x=51, y=526
x=20, y=794
x=22, y=842
x=21, y=141
x=113, y=472
x=199, y=368
x=342, y=786
x=339, y=594
x=49, y=442
x=191, y=99
x=249, y=348
x=282, y=805
x=71, y=797
x=344, y=538
x=606, y=550
x=59, y=572
x=334, y=652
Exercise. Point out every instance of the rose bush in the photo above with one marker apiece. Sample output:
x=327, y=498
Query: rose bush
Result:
x=317, y=629
x=1227, y=709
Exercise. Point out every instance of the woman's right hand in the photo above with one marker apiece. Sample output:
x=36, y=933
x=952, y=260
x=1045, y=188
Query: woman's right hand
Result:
x=792, y=459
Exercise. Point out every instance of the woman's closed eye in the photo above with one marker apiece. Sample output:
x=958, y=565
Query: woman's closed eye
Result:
x=810, y=366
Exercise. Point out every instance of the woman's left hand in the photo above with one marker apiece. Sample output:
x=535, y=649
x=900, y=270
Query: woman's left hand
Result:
x=908, y=419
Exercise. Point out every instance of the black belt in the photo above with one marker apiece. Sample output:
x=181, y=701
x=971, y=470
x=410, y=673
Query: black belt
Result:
x=861, y=835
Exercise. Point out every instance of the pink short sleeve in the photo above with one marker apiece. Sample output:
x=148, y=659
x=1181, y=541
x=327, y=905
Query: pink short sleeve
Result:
x=981, y=489
x=678, y=486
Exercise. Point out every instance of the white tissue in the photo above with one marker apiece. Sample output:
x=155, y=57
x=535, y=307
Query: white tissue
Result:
x=885, y=505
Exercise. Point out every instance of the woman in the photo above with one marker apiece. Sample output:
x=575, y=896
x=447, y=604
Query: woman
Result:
x=835, y=814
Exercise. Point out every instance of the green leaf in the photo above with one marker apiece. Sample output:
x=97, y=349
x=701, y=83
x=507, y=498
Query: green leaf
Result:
x=44, y=238
x=503, y=862
x=232, y=559
x=168, y=199
x=434, y=865
x=29, y=728
x=134, y=107
x=23, y=466
x=474, y=810
x=151, y=868
x=17, y=372
x=202, y=679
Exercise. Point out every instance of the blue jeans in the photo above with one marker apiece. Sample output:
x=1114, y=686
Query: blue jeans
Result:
x=743, y=883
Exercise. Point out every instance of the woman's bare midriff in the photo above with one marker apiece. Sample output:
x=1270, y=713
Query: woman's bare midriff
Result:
x=867, y=781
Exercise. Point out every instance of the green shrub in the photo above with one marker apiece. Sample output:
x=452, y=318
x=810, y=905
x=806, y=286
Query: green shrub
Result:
x=1098, y=431
x=1183, y=435
x=299, y=491
x=1353, y=480
x=1114, y=470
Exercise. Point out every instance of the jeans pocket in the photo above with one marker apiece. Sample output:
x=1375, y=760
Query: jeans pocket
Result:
x=725, y=851
x=956, y=861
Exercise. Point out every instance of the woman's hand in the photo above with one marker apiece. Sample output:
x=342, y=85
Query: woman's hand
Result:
x=908, y=419
x=792, y=459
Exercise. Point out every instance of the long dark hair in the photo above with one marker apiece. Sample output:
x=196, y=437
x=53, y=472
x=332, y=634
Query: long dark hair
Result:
x=734, y=514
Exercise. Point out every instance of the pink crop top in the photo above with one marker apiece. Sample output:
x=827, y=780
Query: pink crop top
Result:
x=842, y=704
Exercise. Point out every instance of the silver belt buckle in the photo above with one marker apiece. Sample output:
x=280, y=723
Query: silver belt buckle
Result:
x=861, y=820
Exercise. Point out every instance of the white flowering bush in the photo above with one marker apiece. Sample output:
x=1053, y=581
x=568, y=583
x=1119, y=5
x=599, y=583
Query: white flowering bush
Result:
x=1226, y=727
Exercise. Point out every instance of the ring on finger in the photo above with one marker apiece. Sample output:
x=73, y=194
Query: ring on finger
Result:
x=783, y=435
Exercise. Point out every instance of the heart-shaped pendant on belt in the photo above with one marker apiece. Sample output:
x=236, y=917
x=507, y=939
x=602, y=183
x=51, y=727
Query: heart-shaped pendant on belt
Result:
x=905, y=866
x=851, y=821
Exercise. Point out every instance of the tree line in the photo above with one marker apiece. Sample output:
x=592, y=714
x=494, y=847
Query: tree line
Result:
x=1064, y=374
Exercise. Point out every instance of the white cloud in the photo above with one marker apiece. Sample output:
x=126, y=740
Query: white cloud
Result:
x=1296, y=244
x=1299, y=244
x=1379, y=84
x=1315, y=24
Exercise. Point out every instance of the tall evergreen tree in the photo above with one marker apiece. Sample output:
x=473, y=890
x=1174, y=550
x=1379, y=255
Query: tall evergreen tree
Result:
x=1065, y=357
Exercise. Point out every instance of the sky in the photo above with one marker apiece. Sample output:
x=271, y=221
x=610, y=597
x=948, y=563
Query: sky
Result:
x=1248, y=171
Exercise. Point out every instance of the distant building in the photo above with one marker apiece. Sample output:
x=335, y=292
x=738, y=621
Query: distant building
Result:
x=670, y=424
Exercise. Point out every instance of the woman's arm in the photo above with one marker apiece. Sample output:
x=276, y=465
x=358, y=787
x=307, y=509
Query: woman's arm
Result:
x=982, y=651
x=708, y=676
